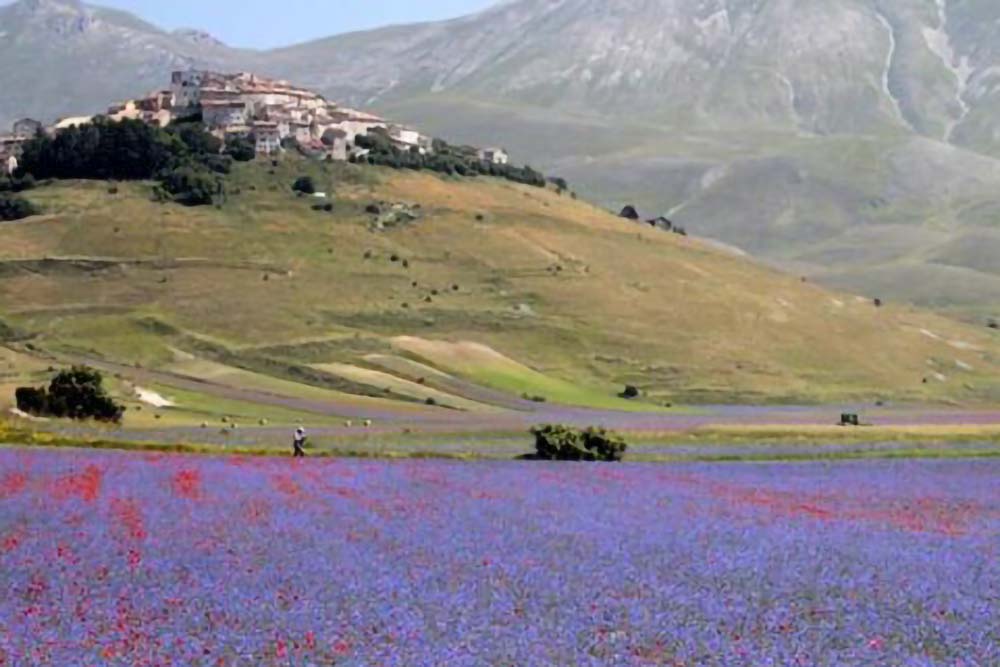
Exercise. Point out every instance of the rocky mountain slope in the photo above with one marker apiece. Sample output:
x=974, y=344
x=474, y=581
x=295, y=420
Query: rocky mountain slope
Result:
x=815, y=66
x=855, y=141
x=64, y=58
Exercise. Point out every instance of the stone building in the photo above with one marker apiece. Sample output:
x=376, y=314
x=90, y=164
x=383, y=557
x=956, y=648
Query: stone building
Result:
x=26, y=128
x=223, y=114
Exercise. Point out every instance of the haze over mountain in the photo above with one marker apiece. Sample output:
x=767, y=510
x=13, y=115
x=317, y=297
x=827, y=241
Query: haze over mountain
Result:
x=851, y=140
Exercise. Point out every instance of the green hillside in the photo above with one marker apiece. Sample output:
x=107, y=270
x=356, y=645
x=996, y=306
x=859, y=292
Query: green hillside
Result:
x=493, y=292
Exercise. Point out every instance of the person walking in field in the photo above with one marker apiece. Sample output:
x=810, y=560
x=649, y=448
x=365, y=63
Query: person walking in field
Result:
x=299, y=443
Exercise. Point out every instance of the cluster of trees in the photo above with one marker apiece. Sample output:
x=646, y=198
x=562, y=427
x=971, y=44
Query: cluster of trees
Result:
x=554, y=442
x=77, y=393
x=445, y=159
x=184, y=157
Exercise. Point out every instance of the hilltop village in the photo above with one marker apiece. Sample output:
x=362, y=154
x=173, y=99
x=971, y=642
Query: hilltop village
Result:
x=273, y=115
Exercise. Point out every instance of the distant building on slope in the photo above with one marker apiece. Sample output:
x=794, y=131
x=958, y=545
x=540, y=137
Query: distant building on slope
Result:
x=494, y=155
x=10, y=165
x=186, y=89
x=267, y=137
x=26, y=128
x=73, y=121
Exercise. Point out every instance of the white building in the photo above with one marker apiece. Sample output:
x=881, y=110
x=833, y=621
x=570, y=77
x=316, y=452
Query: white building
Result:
x=355, y=122
x=74, y=121
x=10, y=166
x=125, y=111
x=335, y=142
x=301, y=130
x=267, y=138
x=494, y=155
x=407, y=138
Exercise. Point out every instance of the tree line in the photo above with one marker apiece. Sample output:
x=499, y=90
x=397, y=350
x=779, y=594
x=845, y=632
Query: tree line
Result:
x=187, y=160
x=445, y=159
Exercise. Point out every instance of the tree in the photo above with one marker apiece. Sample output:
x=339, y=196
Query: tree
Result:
x=305, y=185
x=15, y=208
x=17, y=183
x=240, y=149
x=191, y=185
x=555, y=442
x=197, y=140
x=561, y=184
x=77, y=393
x=630, y=392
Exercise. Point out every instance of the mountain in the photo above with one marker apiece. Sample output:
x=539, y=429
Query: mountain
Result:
x=852, y=141
x=816, y=67
x=64, y=58
x=478, y=286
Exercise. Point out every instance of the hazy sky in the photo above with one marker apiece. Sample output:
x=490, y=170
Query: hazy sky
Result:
x=267, y=23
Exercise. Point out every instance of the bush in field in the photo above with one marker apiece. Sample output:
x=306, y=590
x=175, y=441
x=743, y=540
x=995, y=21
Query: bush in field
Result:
x=630, y=392
x=15, y=208
x=191, y=185
x=17, y=183
x=555, y=442
x=305, y=185
x=77, y=393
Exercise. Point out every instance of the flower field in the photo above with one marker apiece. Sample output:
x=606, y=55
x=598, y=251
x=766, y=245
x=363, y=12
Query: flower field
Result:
x=119, y=559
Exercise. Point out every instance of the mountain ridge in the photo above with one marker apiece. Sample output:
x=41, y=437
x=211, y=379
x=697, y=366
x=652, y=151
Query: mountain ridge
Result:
x=790, y=129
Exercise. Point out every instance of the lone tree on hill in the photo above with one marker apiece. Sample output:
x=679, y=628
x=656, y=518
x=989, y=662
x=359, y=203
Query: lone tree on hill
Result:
x=305, y=185
x=629, y=213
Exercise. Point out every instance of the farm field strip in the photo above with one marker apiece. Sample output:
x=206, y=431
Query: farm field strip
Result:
x=138, y=559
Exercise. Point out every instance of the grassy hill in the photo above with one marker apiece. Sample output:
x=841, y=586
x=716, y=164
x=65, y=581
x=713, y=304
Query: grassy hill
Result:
x=494, y=293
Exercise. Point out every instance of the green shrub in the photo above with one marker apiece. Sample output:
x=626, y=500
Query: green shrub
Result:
x=554, y=442
x=17, y=183
x=32, y=400
x=77, y=393
x=305, y=185
x=630, y=392
x=15, y=208
x=191, y=185
x=220, y=164
x=194, y=136
x=240, y=149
